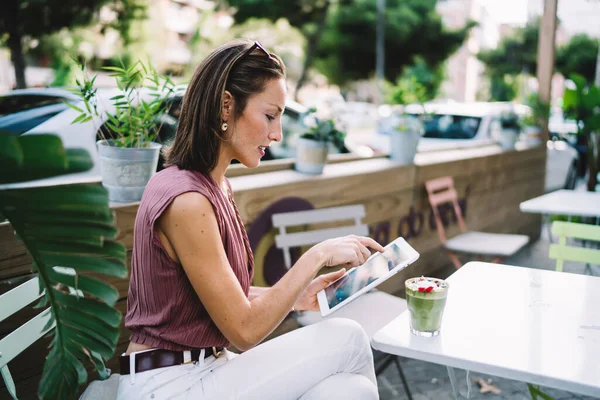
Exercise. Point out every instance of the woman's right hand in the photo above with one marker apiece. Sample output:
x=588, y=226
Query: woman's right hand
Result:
x=347, y=251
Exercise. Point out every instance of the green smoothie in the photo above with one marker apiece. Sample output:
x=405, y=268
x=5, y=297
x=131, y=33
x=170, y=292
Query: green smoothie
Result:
x=426, y=298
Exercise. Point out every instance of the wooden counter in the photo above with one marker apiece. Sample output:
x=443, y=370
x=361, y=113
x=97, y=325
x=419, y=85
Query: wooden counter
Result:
x=490, y=182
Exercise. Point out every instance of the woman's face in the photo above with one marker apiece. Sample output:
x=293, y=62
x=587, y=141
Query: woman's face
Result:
x=259, y=124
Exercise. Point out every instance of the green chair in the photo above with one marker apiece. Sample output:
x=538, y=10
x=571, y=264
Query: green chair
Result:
x=562, y=252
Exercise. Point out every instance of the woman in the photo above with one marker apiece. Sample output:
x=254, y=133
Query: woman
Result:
x=190, y=295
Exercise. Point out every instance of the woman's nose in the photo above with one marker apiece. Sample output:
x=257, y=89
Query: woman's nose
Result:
x=276, y=135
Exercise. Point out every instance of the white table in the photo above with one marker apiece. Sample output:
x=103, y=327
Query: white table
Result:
x=536, y=326
x=568, y=202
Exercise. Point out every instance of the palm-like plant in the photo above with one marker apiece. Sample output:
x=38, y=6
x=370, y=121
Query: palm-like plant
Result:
x=71, y=227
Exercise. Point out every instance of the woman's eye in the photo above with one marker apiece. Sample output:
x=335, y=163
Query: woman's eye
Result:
x=270, y=117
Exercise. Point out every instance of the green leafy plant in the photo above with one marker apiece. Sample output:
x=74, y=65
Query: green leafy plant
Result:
x=326, y=131
x=582, y=103
x=537, y=394
x=70, y=226
x=142, y=99
x=418, y=83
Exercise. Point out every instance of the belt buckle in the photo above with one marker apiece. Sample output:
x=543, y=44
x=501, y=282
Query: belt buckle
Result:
x=191, y=360
x=216, y=353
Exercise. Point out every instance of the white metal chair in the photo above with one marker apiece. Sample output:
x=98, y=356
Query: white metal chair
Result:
x=21, y=338
x=372, y=310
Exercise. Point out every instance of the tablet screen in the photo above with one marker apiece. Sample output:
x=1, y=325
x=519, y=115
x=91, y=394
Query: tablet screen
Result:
x=377, y=266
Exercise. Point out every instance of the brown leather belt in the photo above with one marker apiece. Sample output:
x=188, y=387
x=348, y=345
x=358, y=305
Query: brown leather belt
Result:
x=160, y=358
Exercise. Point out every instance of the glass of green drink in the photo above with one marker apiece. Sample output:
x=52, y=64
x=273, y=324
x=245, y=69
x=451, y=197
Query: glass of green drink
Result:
x=426, y=298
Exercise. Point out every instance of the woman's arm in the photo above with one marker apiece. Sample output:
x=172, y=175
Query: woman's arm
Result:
x=256, y=291
x=190, y=226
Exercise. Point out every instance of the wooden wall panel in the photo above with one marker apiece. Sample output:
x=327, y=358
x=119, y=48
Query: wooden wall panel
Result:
x=342, y=184
x=14, y=260
x=125, y=220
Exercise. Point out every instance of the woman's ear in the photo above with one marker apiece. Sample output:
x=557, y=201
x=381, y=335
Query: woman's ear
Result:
x=227, y=107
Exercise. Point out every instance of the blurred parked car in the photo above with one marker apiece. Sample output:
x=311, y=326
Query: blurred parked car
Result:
x=450, y=125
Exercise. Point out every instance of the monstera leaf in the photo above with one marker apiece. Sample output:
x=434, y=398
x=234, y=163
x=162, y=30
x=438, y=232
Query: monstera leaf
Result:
x=68, y=231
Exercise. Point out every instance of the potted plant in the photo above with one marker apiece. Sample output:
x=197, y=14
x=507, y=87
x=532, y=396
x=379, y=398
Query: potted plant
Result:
x=404, y=138
x=510, y=129
x=312, y=146
x=533, y=121
x=128, y=126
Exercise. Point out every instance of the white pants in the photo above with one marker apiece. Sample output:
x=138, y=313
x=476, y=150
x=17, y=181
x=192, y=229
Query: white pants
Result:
x=328, y=360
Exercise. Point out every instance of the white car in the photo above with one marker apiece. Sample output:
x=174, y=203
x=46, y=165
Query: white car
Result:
x=460, y=125
x=449, y=125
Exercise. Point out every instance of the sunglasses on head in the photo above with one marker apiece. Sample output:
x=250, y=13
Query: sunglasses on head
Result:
x=255, y=46
x=245, y=53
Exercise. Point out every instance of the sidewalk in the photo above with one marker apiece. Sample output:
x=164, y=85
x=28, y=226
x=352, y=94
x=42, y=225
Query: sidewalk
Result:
x=430, y=381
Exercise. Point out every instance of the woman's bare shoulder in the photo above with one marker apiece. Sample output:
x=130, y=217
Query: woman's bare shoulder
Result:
x=191, y=209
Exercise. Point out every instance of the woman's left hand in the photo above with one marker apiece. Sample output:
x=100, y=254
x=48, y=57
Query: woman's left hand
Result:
x=308, y=299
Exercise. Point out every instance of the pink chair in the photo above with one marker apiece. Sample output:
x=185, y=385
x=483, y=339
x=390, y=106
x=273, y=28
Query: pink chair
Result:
x=495, y=245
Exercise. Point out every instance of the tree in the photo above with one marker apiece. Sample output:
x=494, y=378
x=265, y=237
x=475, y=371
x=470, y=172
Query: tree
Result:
x=578, y=57
x=412, y=28
x=309, y=16
x=418, y=83
x=517, y=54
x=503, y=88
x=35, y=18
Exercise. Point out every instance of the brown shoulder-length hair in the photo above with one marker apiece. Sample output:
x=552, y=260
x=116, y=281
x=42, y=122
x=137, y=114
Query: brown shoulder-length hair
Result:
x=233, y=67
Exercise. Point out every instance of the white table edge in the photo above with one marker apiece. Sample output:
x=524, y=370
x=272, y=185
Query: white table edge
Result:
x=525, y=206
x=522, y=376
x=566, y=212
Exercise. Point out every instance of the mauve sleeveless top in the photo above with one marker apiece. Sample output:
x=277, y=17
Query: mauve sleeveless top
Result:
x=163, y=310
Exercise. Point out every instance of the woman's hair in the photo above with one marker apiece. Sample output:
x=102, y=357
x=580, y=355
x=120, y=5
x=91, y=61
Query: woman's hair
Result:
x=241, y=67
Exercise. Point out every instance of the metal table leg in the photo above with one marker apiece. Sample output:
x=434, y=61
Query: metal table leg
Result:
x=548, y=224
x=455, y=391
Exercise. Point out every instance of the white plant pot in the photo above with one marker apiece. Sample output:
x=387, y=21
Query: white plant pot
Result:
x=532, y=136
x=403, y=146
x=507, y=138
x=311, y=156
x=126, y=171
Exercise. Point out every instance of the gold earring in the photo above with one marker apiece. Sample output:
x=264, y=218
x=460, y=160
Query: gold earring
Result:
x=224, y=126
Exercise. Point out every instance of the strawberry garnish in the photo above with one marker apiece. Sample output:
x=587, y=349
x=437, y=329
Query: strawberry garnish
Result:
x=429, y=289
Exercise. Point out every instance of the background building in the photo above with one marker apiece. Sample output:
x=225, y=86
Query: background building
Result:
x=575, y=16
x=464, y=71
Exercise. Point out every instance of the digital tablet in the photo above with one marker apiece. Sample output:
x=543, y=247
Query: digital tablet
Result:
x=358, y=280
